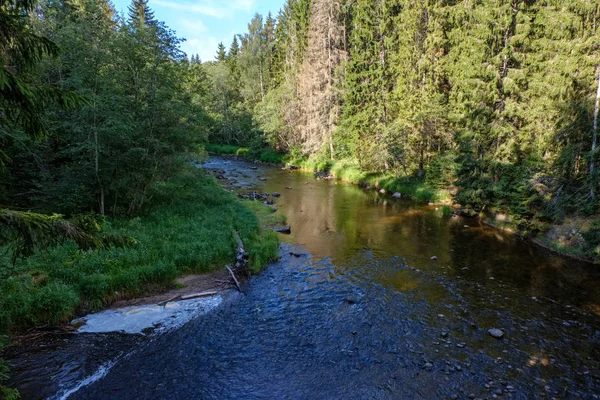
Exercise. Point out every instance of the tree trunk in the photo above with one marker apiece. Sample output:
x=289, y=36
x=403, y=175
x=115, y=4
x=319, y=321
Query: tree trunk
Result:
x=594, y=139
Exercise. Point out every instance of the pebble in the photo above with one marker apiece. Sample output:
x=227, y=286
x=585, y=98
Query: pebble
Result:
x=276, y=194
x=434, y=258
x=460, y=345
x=496, y=333
x=428, y=366
x=444, y=334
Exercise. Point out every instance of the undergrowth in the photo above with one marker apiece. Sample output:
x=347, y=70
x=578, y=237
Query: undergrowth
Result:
x=189, y=228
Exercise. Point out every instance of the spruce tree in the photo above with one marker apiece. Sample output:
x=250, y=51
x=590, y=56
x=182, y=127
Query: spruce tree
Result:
x=221, y=53
x=139, y=12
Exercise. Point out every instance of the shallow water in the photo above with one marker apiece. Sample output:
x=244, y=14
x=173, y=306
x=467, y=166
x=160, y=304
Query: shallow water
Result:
x=370, y=314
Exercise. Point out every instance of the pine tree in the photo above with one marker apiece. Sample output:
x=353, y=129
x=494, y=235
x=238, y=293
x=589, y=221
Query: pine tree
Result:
x=221, y=53
x=139, y=12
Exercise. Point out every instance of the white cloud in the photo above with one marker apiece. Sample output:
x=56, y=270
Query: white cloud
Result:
x=206, y=48
x=192, y=27
x=208, y=7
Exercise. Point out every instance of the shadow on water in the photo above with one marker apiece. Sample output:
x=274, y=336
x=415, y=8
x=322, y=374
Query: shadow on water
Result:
x=371, y=315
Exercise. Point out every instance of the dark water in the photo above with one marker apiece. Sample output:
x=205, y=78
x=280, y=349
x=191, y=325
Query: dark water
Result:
x=364, y=316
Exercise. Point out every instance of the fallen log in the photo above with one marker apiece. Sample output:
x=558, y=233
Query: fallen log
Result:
x=163, y=303
x=197, y=295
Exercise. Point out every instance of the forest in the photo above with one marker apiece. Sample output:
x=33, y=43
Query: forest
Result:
x=490, y=104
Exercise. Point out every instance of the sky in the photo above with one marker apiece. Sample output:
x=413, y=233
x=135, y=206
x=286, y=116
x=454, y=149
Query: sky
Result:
x=205, y=23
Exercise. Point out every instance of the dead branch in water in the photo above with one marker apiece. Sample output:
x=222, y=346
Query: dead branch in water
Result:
x=237, y=283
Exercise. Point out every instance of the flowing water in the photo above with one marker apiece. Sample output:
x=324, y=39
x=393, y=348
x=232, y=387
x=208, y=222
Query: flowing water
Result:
x=357, y=309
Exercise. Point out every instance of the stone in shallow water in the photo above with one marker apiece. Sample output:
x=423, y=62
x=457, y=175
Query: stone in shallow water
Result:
x=496, y=333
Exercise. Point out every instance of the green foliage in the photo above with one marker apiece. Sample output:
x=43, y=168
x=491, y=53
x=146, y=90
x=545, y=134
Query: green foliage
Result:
x=188, y=228
x=592, y=240
x=5, y=393
x=263, y=154
x=27, y=232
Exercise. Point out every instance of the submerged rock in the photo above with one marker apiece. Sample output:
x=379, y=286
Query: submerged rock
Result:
x=496, y=333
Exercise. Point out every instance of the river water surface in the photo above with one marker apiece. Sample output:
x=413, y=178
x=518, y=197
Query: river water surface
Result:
x=358, y=309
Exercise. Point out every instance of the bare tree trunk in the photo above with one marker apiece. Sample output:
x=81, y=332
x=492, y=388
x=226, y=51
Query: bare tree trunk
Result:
x=262, y=88
x=594, y=139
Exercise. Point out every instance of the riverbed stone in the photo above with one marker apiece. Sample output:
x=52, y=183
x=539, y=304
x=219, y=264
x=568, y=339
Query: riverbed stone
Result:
x=276, y=194
x=397, y=195
x=496, y=333
x=434, y=258
x=428, y=366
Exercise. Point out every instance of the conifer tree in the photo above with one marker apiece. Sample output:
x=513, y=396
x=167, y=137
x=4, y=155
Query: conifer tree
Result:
x=139, y=12
x=221, y=53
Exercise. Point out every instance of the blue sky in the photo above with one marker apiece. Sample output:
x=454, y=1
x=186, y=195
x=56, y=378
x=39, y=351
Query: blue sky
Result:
x=205, y=23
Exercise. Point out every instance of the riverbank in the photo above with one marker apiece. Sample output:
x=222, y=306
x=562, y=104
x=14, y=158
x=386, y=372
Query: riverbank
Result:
x=343, y=170
x=188, y=229
x=575, y=237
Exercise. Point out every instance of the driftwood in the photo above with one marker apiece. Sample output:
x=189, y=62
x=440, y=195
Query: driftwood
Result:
x=198, y=295
x=237, y=283
x=163, y=303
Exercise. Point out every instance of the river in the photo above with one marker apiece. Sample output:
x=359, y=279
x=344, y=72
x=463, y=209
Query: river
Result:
x=391, y=300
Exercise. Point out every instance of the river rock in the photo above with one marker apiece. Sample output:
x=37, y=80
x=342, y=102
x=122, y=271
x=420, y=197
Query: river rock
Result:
x=434, y=258
x=397, y=195
x=428, y=366
x=284, y=229
x=382, y=191
x=276, y=194
x=444, y=334
x=496, y=333
x=262, y=179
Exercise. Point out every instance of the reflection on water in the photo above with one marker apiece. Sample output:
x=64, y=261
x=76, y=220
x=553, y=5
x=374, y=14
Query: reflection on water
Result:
x=338, y=220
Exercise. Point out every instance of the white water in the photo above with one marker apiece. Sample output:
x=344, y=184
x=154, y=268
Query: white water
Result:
x=137, y=319
x=100, y=373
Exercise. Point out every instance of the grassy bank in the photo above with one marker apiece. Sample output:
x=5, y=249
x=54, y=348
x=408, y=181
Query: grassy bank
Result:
x=189, y=228
x=344, y=170
x=264, y=154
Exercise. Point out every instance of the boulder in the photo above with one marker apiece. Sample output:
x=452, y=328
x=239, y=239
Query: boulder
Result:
x=397, y=195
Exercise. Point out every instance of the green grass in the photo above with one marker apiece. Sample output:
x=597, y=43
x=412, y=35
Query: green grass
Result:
x=189, y=228
x=264, y=154
x=345, y=170
x=349, y=171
